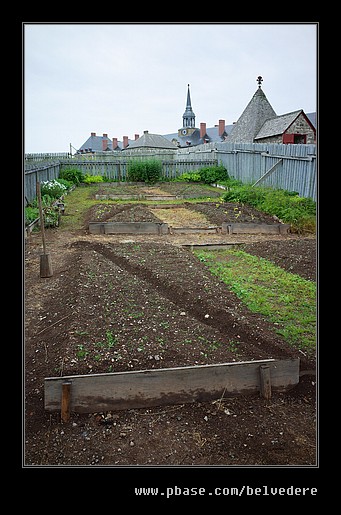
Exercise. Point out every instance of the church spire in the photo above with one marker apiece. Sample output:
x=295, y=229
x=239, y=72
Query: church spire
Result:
x=188, y=116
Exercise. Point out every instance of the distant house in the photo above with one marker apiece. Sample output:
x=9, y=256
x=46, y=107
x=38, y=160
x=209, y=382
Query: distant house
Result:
x=149, y=141
x=104, y=144
x=259, y=123
x=292, y=127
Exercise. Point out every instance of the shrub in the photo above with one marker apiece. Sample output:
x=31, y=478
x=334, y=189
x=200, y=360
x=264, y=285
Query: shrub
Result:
x=206, y=174
x=72, y=175
x=213, y=174
x=66, y=183
x=189, y=177
x=90, y=179
x=31, y=214
x=149, y=170
x=53, y=189
x=288, y=206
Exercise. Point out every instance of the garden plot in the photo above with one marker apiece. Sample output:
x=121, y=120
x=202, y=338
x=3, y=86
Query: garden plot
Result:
x=113, y=307
x=186, y=218
x=178, y=217
x=162, y=191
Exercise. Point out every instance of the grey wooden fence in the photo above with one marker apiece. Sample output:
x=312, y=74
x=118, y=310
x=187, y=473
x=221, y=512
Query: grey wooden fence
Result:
x=41, y=172
x=290, y=167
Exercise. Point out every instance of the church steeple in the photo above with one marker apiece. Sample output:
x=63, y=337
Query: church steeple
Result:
x=188, y=118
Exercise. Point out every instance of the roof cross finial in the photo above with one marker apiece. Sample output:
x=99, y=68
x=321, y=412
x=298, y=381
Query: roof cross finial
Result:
x=259, y=80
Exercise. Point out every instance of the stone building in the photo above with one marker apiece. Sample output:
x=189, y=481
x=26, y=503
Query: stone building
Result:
x=259, y=123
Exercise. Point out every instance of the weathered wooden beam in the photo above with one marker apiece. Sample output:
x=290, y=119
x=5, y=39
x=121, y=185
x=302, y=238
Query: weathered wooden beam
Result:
x=66, y=401
x=265, y=381
x=146, y=388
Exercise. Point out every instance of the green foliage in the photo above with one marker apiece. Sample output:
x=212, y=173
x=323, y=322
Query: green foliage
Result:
x=31, y=214
x=90, y=179
x=149, y=171
x=51, y=216
x=286, y=299
x=54, y=189
x=288, y=206
x=72, y=175
x=66, y=183
x=189, y=177
x=206, y=174
x=213, y=174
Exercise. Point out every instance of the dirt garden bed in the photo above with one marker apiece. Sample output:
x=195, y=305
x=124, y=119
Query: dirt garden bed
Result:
x=212, y=213
x=118, y=304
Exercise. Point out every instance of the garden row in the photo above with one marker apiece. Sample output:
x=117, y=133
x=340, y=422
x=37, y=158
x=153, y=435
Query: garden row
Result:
x=287, y=206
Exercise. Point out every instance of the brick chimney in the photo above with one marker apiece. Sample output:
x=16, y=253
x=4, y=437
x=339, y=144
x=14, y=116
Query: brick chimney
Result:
x=125, y=141
x=136, y=137
x=104, y=142
x=202, y=129
x=93, y=134
x=114, y=143
x=221, y=127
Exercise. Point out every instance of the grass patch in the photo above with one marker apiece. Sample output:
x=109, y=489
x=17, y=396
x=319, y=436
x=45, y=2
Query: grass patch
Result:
x=285, y=299
x=76, y=205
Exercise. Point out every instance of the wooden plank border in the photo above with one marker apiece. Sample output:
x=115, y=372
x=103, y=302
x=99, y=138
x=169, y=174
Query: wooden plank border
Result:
x=145, y=388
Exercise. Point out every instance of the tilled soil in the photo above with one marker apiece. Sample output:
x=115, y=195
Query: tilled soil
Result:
x=121, y=303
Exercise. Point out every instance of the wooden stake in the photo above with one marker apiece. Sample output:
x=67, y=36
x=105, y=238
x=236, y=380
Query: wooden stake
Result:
x=65, y=404
x=45, y=260
x=265, y=381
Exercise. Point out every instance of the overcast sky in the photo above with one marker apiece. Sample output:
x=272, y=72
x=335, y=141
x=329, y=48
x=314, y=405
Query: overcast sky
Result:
x=122, y=79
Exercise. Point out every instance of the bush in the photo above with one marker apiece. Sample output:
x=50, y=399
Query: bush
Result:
x=213, y=174
x=72, y=175
x=31, y=214
x=288, y=206
x=90, y=179
x=66, y=183
x=53, y=189
x=149, y=170
x=207, y=175
x=189, y=177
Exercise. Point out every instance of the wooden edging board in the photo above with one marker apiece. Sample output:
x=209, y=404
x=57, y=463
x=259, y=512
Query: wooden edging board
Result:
x=145, y=388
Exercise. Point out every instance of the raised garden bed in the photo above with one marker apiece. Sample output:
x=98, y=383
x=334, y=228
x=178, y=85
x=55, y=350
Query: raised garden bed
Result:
x=187, y=218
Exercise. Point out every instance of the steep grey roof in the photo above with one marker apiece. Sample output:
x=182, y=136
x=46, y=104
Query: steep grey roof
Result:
x=151, y=141
x=94, y=143
x=312, y=118
x=189, y=114
x=277, y=125
x=194, y=139
x=252, y=118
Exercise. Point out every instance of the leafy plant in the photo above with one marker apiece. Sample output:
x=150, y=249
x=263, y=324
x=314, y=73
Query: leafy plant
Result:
x=72, y=175
x=54, y=189
x=148, y=170
x=207, y=175
x=288, y=206
x=89, y=179
x=286, y=299
x=31, y=214
x=189, y=177
x=213, y=174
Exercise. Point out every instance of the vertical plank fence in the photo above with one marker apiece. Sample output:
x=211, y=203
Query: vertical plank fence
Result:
x=290, y=167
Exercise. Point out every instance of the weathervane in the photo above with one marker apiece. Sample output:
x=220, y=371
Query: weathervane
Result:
x=259, y=80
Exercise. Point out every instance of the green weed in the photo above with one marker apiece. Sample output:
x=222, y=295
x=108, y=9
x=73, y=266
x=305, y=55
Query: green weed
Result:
x=286, y=299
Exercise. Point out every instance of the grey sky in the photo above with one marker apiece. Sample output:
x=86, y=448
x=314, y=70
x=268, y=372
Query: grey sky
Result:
x=122, y=79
